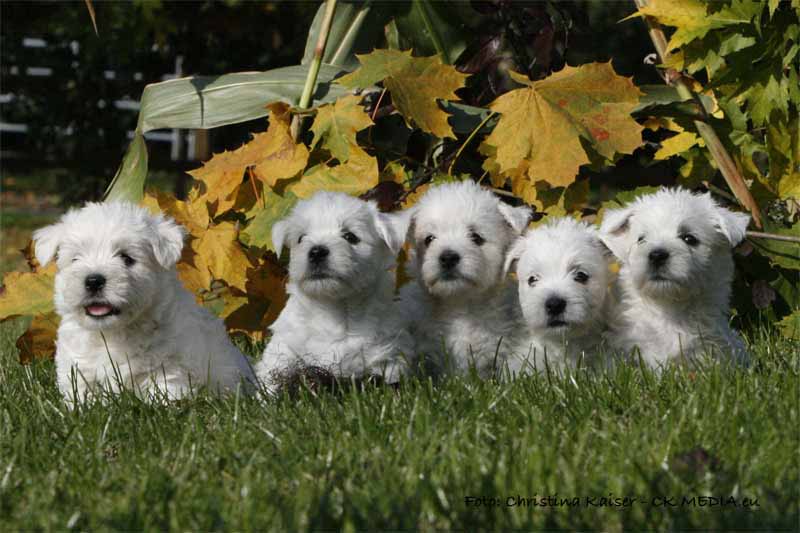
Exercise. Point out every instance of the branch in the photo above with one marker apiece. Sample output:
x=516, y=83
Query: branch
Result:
x=723, y=159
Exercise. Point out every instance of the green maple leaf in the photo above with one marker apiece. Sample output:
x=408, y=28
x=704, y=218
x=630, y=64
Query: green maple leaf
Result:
x=415, y=83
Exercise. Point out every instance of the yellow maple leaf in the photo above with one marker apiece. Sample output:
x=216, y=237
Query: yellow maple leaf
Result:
x=542, y=125
x=415, y=83
x=220, y=255
x=678, y=144
x=272, y=156
x=27, y=293
x=192, y=214
x=692, y=19
x=358, y=175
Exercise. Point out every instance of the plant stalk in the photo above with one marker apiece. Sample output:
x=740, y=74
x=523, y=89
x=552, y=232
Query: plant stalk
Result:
x=772, y=236
x=721, y=156
x=313, y=69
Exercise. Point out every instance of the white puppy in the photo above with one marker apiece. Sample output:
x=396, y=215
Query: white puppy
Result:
x=563, y=270
x=677, y=268
x=341, y=314
x=463, y=308
x=126, y=319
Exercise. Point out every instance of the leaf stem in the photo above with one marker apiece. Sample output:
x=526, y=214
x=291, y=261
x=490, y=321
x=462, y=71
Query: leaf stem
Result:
x=466, y=142
x=259, y=198
x=723, y=159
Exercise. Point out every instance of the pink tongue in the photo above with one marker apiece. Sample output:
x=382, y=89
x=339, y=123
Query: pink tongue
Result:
x=99, y=310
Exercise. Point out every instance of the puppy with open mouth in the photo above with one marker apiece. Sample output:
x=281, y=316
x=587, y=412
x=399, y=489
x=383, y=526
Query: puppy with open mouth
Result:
x=126, y=319
x=563, y=272
x=462, y=307
x=675, y=250
x=341, y=315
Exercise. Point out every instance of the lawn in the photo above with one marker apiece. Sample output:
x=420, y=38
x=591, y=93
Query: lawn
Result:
x=450, y=455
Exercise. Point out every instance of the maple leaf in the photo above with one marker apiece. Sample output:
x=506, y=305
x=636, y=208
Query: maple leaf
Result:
x=693, y=19
x=783, y=142
x=220, y=254
x=27, y=293
x=39, y=340
x=416, y=85
x=192, y=214
x=541, y=126
x=336, y=125
x=272, y=156
x=678, y=144
x=358, y=175
x=261, y=219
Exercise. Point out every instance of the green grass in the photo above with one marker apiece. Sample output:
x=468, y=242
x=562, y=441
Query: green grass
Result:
x=408, y=459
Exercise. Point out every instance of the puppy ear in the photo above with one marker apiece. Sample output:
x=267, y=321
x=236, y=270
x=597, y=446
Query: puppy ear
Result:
x=393, y=228
x=614, y=230
x=46, y=242
x=168, y=241
x=513, y=255
x=732, y=224
x=279, y=231
x=517, y=217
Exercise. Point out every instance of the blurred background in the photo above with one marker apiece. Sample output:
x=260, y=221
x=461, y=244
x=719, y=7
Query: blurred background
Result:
x=69, y=97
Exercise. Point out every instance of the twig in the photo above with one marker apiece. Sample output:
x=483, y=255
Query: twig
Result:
x=464, y=145
x=723, y=159
x=772, y=236
x=313, y=69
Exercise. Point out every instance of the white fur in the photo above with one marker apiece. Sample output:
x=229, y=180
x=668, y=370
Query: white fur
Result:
x=465, y=318
x=680, y=309
x=341, y=315
x=159, y=341
x=561, y=261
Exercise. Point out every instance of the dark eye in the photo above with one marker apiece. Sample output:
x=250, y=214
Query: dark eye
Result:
x=532, y=280
x=300, y=239
x=581, y=277
x=476, y=238
x=128, y=260
x=428, y=240
x=690, y=239
x=351, y=237
x=641, y=239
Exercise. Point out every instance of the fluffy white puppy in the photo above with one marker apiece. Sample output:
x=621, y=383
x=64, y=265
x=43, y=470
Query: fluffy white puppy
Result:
x=126, y=319
x=463, y=309
x=341, y=315
x=563, y=272
x=676, y=273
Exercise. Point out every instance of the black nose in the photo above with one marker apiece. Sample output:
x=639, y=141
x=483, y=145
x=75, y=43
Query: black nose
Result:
x=555, y=305
x=94, y=282
x=317, y=254
x=658, y=257
x=449, y=259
